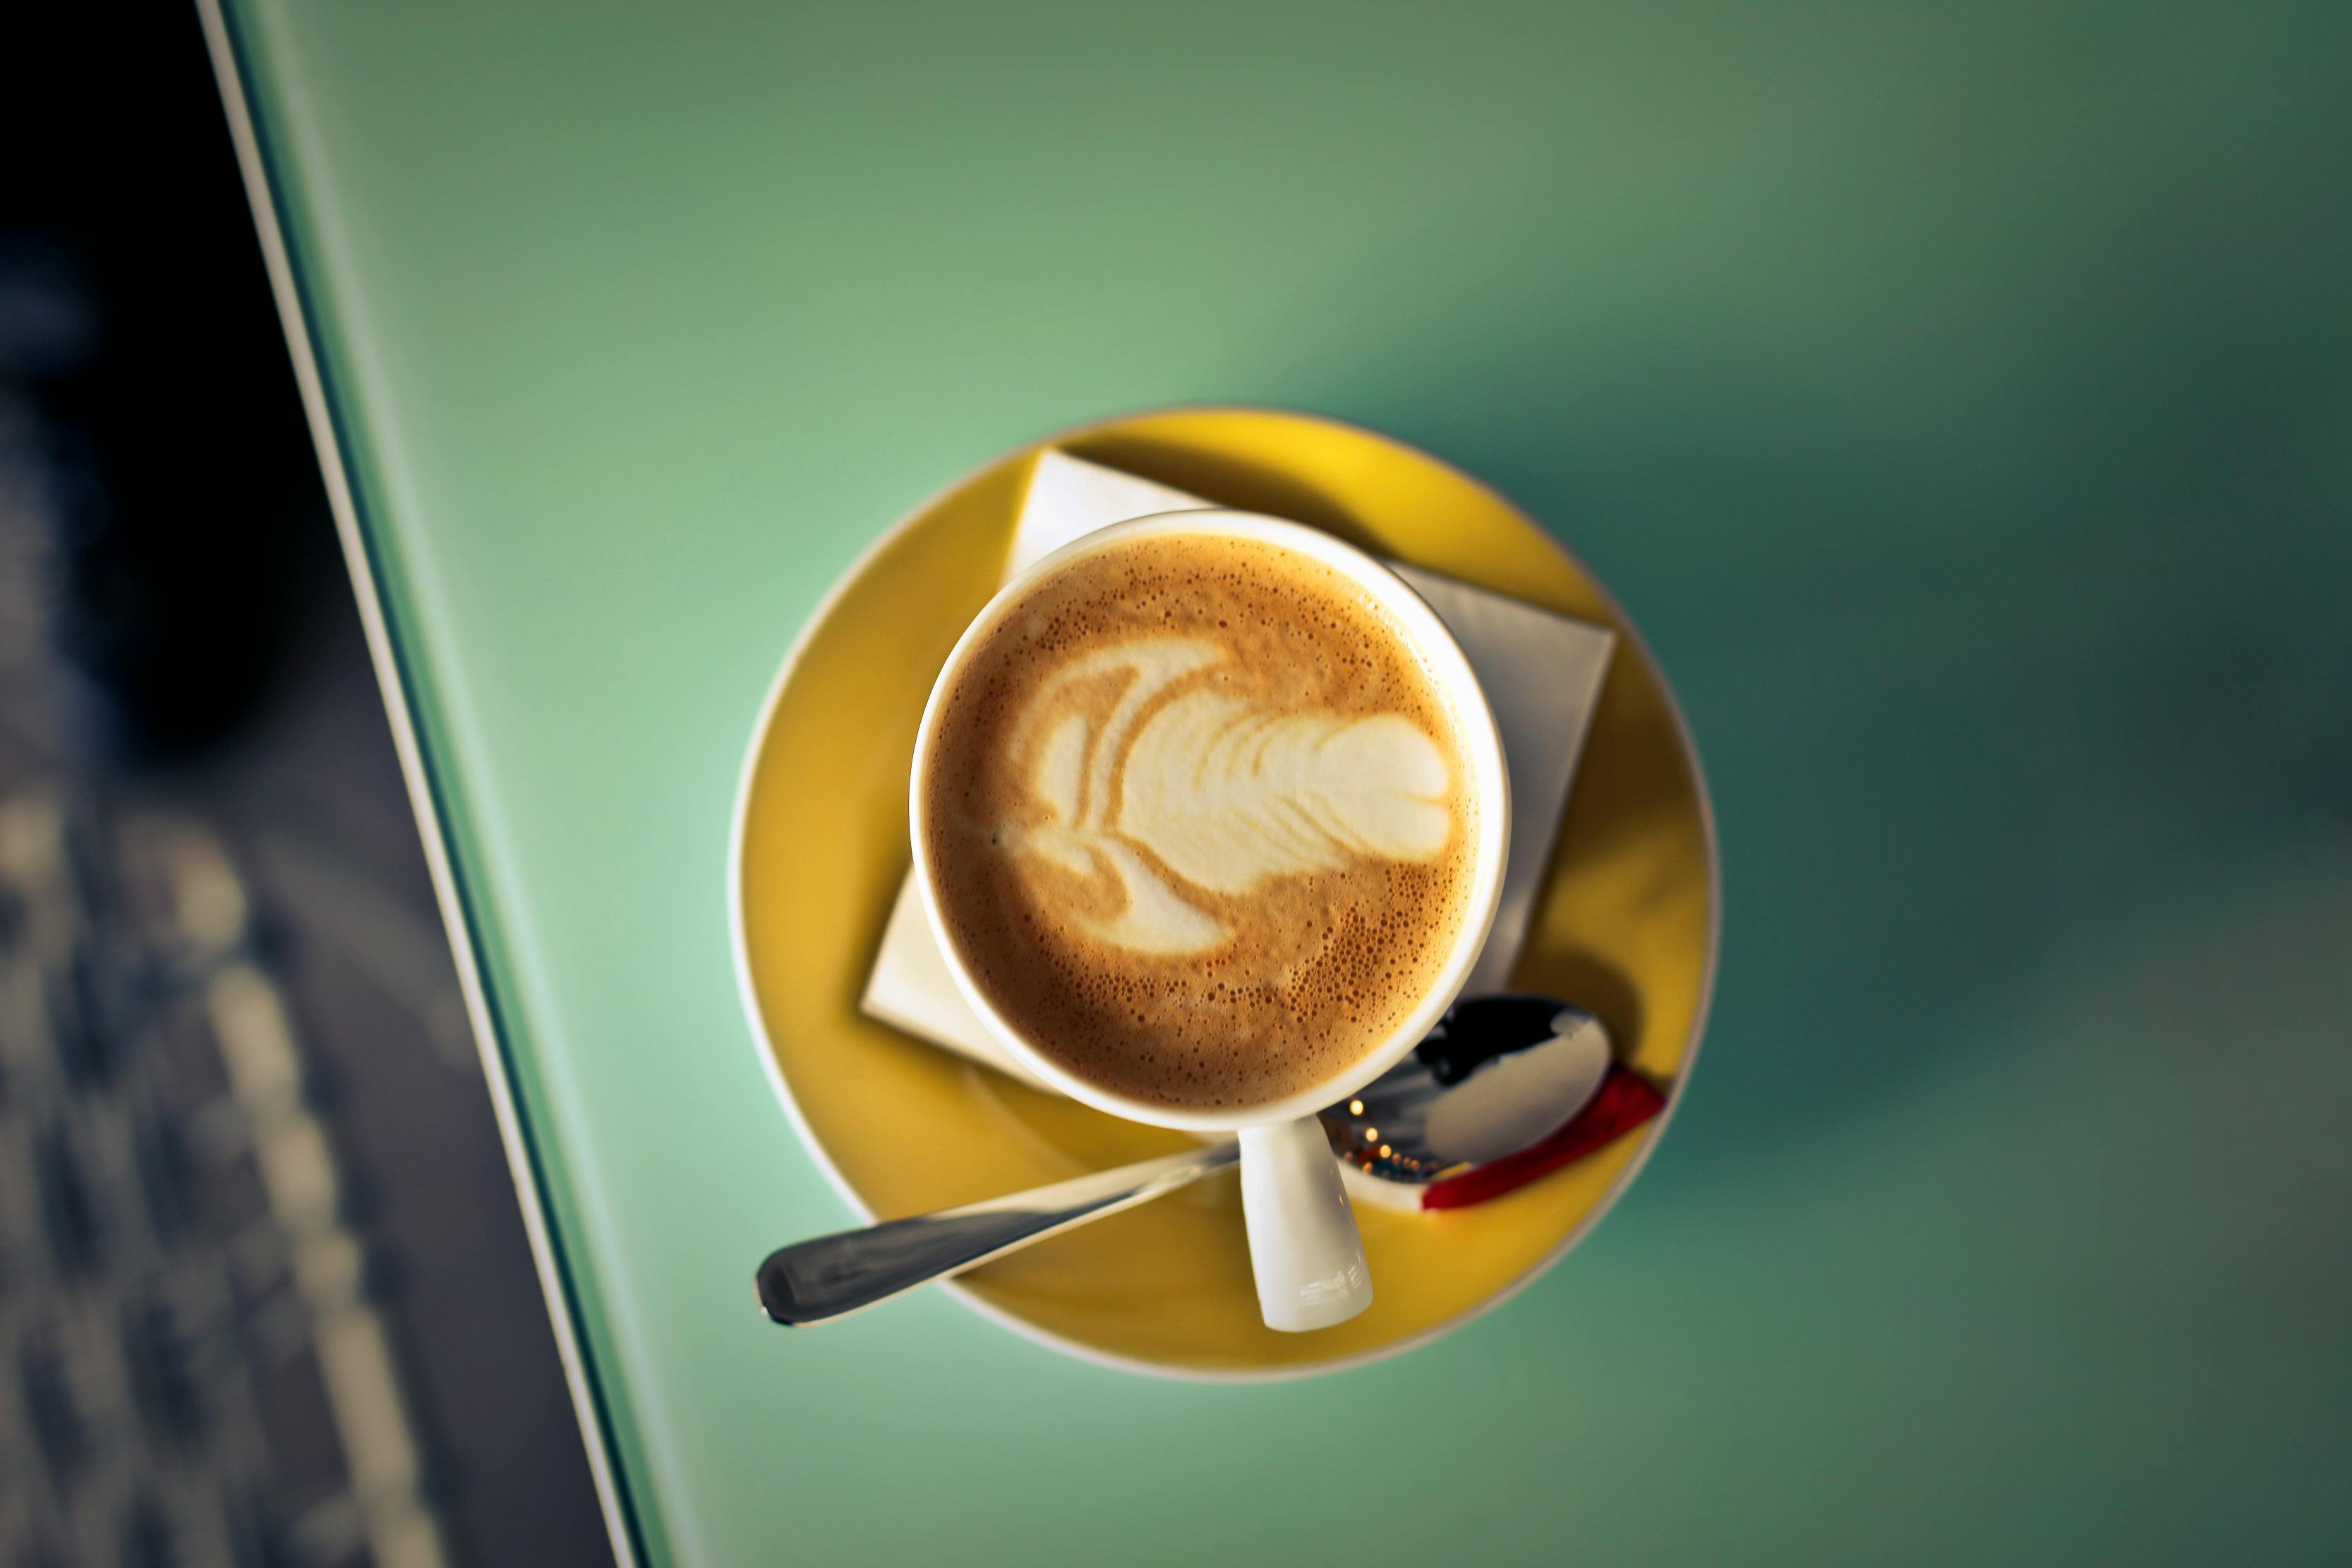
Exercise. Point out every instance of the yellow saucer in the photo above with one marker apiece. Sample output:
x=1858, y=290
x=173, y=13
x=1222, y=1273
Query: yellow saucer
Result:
x=1626, y=923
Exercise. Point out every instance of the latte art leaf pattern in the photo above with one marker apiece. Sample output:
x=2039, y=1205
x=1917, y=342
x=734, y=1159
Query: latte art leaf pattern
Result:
x=1221, y=792
x=1228, y=796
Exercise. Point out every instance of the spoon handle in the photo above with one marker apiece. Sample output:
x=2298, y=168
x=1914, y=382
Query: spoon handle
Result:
x=812, y=1281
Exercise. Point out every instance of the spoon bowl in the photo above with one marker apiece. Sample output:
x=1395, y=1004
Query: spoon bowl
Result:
x=1497, y=1075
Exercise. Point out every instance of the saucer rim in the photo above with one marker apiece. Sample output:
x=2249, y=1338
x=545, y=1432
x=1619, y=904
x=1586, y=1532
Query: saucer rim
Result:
x=763, y=1046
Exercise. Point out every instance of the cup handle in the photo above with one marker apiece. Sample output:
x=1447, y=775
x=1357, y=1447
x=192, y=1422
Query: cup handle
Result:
x=1304, y=1249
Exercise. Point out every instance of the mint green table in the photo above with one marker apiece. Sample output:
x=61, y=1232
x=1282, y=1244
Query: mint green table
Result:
x=1958, y=396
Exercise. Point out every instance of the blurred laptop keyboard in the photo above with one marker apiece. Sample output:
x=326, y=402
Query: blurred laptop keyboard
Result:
x=192, y=1369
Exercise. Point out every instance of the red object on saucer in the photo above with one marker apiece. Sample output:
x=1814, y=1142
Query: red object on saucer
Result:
x=1624, y=1101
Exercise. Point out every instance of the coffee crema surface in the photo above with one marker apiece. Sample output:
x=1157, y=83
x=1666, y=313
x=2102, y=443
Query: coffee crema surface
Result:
x=1197, y=820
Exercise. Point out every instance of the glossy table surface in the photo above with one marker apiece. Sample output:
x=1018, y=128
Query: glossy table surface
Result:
x=1957, y=398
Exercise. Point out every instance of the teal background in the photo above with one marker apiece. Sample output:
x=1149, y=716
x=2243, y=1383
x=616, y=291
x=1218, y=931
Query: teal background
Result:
x=1958, y=396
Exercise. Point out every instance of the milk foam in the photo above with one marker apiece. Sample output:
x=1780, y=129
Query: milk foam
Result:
x=1224, y=792
x=1196, y=820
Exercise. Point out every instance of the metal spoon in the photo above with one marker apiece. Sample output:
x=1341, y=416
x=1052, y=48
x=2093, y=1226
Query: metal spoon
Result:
x=1498, y=1074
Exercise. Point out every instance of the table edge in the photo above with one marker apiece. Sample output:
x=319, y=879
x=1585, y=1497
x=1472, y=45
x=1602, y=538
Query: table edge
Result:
x=621, y=1518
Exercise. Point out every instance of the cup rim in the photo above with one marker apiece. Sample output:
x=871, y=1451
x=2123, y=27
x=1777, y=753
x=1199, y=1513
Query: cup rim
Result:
x=1480, y=737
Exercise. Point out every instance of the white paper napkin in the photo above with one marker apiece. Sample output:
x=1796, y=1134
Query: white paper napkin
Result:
x=1541, y=673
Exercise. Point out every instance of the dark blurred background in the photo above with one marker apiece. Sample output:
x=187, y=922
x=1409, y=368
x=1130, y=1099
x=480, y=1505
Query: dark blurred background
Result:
x=265, y=1295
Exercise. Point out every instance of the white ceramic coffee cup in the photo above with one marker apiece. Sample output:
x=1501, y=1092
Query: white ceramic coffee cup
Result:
x=1304, y=1248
